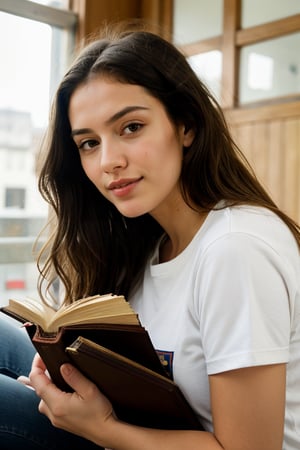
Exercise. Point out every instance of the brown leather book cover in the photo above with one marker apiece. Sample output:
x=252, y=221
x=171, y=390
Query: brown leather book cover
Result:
x=139, y=395
x=131, y=341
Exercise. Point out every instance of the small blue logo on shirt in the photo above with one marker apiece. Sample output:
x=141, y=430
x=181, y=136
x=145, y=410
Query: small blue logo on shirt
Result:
x=166, y=359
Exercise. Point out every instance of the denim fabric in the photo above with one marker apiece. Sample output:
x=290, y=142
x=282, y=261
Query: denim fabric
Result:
x=21, y=424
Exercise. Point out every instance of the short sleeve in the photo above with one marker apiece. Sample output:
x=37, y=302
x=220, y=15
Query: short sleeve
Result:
x=244, y=311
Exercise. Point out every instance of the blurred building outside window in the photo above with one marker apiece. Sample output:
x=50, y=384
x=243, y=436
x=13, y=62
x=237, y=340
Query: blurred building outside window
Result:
x=33, y=62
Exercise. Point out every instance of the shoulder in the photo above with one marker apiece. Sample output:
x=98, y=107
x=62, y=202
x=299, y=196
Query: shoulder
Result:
x=243, y=239
x=248, y=224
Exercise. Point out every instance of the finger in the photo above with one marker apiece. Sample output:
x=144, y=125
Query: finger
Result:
x=81, y=385
x=53, y=401
x=44, y=409
x=40, y=381
x=25, y=381
x=38, y=362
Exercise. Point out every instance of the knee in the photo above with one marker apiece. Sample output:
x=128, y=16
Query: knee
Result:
x=16, y=349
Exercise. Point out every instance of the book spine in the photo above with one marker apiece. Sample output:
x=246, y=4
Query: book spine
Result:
x=53, y=354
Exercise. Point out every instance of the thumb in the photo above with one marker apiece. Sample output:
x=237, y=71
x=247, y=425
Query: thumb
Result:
x=76, y=380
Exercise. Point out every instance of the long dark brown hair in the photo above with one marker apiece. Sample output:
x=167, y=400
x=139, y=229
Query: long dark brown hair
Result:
x=93, y=248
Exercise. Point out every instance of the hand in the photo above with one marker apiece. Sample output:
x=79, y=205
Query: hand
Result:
x=26, y=380
x=85, y=412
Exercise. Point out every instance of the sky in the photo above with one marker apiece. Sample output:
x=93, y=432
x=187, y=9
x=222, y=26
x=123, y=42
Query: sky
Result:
x=25, y=47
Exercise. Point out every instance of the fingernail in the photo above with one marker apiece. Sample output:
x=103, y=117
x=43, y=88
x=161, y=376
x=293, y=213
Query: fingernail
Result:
x=66, y=368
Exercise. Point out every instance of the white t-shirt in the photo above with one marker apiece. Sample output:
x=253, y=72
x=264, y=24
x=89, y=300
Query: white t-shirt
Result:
x=231, y=299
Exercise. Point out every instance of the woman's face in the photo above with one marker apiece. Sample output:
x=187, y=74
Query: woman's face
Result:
x=128, y=146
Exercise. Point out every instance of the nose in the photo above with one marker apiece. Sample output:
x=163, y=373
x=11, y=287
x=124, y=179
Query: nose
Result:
x=113, y=157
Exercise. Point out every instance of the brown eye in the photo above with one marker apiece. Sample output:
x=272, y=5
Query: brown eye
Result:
x=88, y=144
x=132, y=128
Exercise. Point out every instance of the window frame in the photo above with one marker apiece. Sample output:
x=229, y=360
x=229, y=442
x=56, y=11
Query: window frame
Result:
x=56, y=17
x=233, y=39
x=17, y=250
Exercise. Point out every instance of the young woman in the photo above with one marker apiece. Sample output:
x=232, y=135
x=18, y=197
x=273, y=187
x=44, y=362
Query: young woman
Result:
x=154, y=200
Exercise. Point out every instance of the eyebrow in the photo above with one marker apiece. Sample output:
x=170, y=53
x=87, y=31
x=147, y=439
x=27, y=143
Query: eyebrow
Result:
x=118, y=115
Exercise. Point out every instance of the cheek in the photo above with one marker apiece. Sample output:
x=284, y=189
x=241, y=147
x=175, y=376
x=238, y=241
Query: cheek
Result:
x=87, y=172
x=173, y=155
x=95, y=179
x=88, y=167
x=162, y=152
x=91, y=172
x=94, y=175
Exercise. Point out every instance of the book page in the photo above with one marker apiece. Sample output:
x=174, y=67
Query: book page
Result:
x=97, y=309
x=32, y=310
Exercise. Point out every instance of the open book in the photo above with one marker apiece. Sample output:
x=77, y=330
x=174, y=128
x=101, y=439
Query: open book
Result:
x=105, y=308
x=103, y=337
x=105, y=319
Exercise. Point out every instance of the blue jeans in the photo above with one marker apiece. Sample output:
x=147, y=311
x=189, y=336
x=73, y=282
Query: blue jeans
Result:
x=21, y=424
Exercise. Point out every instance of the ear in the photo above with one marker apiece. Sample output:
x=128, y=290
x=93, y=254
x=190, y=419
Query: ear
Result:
x=188, y=136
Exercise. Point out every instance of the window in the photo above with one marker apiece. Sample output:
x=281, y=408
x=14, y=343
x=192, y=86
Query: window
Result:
x=15, y=198
x=208, y=66
x=197, y=19
x=245, y=51
x=33, y=62
x=197, y=27
x=270, y=69
x=257, y=12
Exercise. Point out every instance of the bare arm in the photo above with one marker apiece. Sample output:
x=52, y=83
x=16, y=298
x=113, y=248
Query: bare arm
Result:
x=248, y=407
x=248, y=413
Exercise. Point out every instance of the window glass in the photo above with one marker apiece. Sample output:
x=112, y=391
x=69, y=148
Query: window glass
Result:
x=15, y=198
x=208, y=67
x=270, y=69
x=32, y=62
x=256, y=12
x=194, y=20
x=54, y=3
x=25, y=76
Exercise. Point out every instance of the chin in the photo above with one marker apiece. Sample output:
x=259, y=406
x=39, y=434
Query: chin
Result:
x=131, y=214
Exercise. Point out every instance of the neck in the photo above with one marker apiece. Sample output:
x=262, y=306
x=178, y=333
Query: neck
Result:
x=180, y=229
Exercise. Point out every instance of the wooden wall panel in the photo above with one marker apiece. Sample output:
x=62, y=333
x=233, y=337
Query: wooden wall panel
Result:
x=92, y=14
x=260, y=149
x=159, y=13
x=275, y=161
x=291, y=172
x=272, y=147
